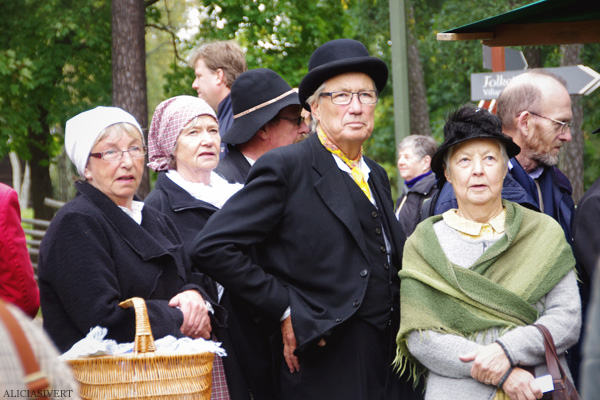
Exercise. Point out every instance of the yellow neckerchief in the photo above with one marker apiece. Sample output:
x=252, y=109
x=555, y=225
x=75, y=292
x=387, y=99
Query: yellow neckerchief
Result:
x=493, y=229
x=354, y=165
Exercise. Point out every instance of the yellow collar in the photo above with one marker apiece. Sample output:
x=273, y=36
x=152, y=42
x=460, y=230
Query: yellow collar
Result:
x=476, y=230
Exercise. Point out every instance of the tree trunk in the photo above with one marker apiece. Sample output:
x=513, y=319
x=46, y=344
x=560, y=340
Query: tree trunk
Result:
x=419, y=112
x=571, y=162
x=129, y=67
x=533, y=55
x=39, y=165
x=15, y=163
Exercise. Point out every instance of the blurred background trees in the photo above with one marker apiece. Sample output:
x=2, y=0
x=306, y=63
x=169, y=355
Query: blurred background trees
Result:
x=55, y=61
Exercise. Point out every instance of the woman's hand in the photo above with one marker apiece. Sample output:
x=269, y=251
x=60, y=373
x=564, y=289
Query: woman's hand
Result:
x=521, y=385
x=289, y=345
x=490, y=363
x=196, y=321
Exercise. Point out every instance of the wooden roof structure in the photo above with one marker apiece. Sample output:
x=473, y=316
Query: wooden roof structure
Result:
x=544, y=22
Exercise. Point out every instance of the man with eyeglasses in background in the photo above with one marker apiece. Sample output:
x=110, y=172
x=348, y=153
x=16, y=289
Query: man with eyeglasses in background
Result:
x=266, y=115
x=319, y=218
x=535, y=109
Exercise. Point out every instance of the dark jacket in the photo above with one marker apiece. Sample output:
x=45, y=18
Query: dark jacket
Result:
x=187, y=213
x=234, y=167
x=94, y=256
x=246, y=367
x=410, y=213
x=590, y=374
x=586, y=231
x=225, y=115
x=294, y=204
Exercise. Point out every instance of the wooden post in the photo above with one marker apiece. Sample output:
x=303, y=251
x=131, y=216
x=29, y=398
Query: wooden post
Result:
x=400, y=73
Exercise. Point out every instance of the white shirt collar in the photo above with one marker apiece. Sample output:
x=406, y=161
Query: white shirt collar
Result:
x=135, y=212
x=217, y=192
x=344, y=167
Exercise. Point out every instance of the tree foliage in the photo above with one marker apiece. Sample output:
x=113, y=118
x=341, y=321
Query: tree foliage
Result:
x=54, y=62
x=55, y=59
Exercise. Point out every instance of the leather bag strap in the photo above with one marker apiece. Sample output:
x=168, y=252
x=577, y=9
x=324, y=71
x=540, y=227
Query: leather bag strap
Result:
x=552, y=363
x=560, y=379
x=35, y=378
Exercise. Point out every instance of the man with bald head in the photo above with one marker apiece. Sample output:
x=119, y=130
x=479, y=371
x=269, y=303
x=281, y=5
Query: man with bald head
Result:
x=535, y=109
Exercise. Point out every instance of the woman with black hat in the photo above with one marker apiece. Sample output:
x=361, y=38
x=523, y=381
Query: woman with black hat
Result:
x=476, y=278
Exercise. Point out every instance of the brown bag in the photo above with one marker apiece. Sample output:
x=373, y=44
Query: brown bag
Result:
x=35, y=378
x=563, y=387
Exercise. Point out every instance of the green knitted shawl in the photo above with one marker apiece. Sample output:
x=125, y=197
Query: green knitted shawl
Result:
x=499, y=290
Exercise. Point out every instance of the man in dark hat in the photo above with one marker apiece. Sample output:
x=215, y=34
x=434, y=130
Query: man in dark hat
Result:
x=318, y=218
x=266, y=115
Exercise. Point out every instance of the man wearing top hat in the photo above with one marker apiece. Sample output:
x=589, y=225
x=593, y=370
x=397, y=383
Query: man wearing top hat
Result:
x=266, y=115
x=318, y=217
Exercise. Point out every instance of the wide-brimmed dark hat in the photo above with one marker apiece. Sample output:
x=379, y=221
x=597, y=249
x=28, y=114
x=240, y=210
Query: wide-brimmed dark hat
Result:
x=257, y=96
x=338, y=57
x=461, y=130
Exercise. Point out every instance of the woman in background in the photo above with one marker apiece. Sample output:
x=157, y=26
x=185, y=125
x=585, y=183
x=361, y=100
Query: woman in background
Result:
x=414, y=166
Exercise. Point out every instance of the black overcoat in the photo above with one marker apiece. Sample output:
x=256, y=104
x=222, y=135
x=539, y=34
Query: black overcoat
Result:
x=233, y=167
x=247, y=370
x=297, y=214
x=94, y=256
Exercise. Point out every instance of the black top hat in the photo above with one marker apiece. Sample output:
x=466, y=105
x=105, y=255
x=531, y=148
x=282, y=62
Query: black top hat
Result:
x=257, y=96
x=470, y=123
x=338, y=57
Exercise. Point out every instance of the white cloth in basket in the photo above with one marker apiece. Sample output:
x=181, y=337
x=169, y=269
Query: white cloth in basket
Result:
x=94, y=344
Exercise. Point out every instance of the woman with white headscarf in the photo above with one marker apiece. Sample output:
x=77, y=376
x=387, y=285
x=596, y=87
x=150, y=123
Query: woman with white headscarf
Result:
x=184, y=145
x=104, y=246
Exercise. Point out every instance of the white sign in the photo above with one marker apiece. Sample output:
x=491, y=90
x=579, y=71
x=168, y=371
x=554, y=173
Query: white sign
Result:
x=580, y=80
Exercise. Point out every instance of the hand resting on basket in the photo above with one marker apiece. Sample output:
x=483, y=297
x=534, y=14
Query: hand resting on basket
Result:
x=196, y=321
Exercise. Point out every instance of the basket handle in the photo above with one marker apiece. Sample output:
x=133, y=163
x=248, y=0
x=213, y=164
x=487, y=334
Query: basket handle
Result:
x=144, y=341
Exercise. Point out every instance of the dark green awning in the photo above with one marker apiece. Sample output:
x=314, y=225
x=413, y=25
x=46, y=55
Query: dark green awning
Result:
x=540, y=23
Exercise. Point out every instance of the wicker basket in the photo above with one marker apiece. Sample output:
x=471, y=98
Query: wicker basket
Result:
x=143, y=374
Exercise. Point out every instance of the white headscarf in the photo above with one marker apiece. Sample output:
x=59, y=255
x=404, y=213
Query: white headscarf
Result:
x=82, y=130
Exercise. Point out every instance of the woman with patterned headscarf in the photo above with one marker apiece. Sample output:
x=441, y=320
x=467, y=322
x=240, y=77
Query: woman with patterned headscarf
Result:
x=184, y=145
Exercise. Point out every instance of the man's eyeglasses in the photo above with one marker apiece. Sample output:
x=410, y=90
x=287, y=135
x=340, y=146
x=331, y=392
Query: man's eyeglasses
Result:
x=563, y=125
x=344, y=98
x=296, y=120
x=114, y=154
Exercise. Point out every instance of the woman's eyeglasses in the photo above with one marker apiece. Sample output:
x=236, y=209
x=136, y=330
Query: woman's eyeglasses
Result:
x=115, y=155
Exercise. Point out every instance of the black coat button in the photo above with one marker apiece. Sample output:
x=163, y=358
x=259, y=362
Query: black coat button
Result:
x=356, y=303
x=364, y=272
x=338, y=320
x=378, y=230
x=375, y=214
x=382, y=248
x=386, y=266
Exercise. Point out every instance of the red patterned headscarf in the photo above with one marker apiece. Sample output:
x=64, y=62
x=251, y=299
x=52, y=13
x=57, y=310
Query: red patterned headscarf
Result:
x=169, y=119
